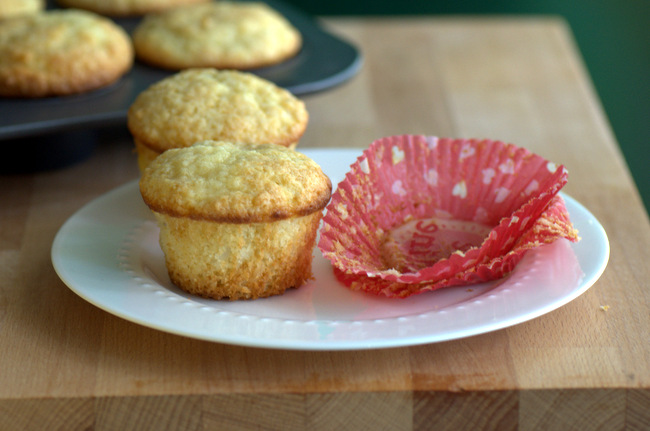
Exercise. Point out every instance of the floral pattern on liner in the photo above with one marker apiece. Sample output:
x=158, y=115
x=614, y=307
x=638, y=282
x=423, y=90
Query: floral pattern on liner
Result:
x=418, y=213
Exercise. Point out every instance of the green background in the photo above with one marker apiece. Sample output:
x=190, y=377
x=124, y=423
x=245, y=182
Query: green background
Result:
x=612, y=35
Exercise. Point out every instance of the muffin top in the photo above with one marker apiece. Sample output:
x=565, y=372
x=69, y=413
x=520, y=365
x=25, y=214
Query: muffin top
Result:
x=126, y=7
x=201, y=104
x=222, y=34
x=61, y=52
x=16, y=7
x=234, y=183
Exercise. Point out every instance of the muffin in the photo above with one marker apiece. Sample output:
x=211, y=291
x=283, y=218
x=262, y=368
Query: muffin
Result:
x=18, y=7
x=57, y=53
x=237, y=221
x=126, y=7
x=201, y=104
x=224, y=35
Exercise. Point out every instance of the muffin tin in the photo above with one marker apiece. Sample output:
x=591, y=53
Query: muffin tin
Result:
x=324, y=61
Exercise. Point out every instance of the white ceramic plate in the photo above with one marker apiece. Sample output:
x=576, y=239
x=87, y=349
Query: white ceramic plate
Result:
x=108, y=254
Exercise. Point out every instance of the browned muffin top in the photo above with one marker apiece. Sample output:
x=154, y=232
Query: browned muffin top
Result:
x=235, y=183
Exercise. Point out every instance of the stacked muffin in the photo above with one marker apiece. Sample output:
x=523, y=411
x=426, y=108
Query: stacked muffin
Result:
x=200, y=104
x=237, y=207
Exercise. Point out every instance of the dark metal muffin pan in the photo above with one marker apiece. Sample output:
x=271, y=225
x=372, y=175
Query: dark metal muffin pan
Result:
x=324, y=61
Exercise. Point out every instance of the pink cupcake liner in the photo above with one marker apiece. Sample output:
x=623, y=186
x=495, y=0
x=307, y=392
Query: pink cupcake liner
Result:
x=417, y=213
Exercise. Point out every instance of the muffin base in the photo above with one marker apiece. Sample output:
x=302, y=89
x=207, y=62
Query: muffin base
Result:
x=238, y=260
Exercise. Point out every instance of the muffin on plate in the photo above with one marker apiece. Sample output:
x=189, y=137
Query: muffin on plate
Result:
x=237, y=221
x=127, y=7
x=201, y=104
x=18, y=7
x=56, y=53
x=224, y=35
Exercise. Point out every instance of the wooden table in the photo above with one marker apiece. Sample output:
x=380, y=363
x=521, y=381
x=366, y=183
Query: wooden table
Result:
x=65, y=364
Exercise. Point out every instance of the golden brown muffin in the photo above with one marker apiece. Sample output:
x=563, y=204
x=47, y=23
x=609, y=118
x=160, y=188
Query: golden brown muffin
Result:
x=237, y=221
x=224, y=35
x=57, y=53
x=18, y=7
x=127, y=7
x=201, y=104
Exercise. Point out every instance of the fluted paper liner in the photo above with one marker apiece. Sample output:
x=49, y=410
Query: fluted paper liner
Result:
x=418, y=213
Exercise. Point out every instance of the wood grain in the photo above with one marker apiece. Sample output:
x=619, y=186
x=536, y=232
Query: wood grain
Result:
x=65, y=364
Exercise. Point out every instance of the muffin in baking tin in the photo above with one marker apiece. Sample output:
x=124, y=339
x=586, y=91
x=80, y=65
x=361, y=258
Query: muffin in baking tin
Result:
x=201, y=104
